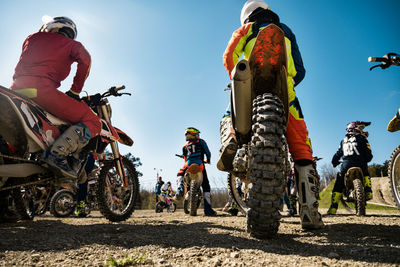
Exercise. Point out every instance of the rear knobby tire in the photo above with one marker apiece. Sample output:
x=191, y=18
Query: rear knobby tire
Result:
x=24, y=203
x=193, y=202
x=267, y=170
x=394, y=175
x=359, y=195
x=117, y=202
x=159, y=207
x=172, y=208
x=186, y=206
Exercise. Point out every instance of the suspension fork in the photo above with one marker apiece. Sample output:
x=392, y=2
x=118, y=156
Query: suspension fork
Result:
x=115, y=151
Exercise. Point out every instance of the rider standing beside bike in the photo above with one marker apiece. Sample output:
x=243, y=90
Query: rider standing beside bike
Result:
x=355, y=151
x=46, y=61
x=193, y=152
x=255, y=16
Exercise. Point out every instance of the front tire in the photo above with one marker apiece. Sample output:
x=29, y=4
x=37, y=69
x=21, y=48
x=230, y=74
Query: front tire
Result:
x=267, y=171
x=394, y=175
x=117, y=202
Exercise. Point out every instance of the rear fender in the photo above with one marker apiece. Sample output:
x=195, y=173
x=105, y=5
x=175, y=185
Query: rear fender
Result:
x=194, y=172
x=25, y=125
x=268, y=64
x=353, y=174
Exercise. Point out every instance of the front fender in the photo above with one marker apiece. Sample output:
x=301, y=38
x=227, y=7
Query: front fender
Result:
x=124, y=138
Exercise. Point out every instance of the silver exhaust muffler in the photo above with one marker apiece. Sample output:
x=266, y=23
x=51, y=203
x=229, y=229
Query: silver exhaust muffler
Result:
x=242, y=97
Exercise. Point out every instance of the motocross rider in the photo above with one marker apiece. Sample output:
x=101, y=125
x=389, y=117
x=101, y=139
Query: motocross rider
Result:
x=255, y=16
x=157, y=188
x=166, y=192
x=45, y=61
x=194, y=151
x=355, y=151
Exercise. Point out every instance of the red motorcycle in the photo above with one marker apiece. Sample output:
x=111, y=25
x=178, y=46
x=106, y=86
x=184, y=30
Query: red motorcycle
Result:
x=30, y=130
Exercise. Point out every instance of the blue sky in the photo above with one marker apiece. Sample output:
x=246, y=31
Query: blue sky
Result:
x=168, y=54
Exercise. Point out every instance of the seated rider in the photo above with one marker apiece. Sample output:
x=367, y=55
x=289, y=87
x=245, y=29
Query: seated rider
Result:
x=355, y=151
x=45, y=61
x=194, y=151
x=166, y=192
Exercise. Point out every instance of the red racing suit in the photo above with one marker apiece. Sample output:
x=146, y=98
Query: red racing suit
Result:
x=45, y=61
x=242, y=41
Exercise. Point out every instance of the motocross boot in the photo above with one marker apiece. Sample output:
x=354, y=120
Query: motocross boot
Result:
x=68, y=143
x=293, y=201
x=233, y=210
x=308, y=188
x=81, y=209
x=335, y=203
x=367, y=188
x=181, y=189
x=208, y=210
x=228, y=145
x=394, y=124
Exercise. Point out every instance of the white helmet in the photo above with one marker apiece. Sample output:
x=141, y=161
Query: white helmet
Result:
x=249, y=7
x=62, y=25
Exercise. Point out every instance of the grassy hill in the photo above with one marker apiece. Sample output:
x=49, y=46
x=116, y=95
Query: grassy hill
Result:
x=325, y=200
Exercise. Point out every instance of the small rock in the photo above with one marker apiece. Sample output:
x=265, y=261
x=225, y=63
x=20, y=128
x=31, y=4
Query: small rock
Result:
x=234, y=255
x=35, y=257
x=333, y=255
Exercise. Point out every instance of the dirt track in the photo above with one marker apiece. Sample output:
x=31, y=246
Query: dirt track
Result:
x=180, y=240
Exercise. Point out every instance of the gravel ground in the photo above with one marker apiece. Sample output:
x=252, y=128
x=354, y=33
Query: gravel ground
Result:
x=176, y=239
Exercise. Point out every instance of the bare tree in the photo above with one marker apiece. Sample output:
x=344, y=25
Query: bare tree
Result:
x=327, y=173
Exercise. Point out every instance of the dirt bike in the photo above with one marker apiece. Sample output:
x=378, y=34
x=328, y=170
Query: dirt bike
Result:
x=30, y=130
x=394, y=162
x=165, y=202
x=259, y=110
x=354, y=192
x=64, y=202
x=192, y=179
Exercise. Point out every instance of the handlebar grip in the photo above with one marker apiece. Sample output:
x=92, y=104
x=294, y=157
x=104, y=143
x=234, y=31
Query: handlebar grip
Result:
x=371, y=59
x=120, y=88
x=376, y=59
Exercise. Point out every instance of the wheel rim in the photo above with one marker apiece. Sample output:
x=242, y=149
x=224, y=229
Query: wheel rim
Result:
x=64, y=204
x=395, y=173
x=241, y=200
x=118, y=197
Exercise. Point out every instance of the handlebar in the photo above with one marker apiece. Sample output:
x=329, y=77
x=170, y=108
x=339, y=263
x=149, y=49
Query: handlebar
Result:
x=113, y=91
x=181, y=156
x=97, y=98
x=387, y=61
